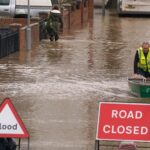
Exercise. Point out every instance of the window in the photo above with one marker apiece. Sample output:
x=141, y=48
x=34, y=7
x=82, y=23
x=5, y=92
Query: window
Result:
x=4, y=2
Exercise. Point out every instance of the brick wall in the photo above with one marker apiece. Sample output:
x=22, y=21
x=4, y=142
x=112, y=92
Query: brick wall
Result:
x=23, y=21
x=90, y=8
x=74, y=19
x=22, y=38
x=34, y=36
x=21, y=25
x=66, y=16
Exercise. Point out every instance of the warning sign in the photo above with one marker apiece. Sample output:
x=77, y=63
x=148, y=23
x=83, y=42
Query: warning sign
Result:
x=123, y=121
x=10, y=123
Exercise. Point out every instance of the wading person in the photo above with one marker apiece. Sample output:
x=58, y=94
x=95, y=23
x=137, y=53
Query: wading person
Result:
x=142, y=61
x=54, y=24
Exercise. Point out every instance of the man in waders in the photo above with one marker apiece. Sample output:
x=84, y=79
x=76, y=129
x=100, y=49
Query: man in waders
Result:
x=142, y=61
x=54, y=24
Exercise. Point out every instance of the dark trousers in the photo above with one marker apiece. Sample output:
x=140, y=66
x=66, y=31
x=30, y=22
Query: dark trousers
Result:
x=53, y=31
x=146, y=74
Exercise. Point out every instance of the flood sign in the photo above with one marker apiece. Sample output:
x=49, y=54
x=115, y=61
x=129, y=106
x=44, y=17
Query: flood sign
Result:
x=11, y=124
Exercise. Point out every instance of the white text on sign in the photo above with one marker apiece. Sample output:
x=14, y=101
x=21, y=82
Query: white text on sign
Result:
x=8, y=127
x=122, y=129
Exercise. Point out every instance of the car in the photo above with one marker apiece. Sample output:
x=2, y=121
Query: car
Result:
x=133, y=7
x=15, y=8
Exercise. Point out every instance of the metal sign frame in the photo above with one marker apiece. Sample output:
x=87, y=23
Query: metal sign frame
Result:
x=19, y=144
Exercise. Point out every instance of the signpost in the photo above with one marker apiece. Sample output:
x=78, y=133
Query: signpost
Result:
x=28, y=28
x=103, y=7
x=123, y=122
x=11, y=125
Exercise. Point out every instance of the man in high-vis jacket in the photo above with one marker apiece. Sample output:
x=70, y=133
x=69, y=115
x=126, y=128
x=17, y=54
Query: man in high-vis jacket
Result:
x=142, y=60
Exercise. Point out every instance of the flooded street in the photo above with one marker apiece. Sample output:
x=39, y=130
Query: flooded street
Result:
x=56, y=87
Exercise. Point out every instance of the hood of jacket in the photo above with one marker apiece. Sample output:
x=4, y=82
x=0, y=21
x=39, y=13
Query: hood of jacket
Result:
x=55, y=11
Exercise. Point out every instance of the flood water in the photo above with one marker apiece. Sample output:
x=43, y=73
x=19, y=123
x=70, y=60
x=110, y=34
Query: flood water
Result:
x=56, y=87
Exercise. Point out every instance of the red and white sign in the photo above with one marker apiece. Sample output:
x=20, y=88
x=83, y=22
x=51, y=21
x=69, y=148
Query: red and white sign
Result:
x=123, y=121
x=10, y=123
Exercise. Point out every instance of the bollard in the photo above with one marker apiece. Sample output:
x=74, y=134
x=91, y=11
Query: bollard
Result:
x=103, y=8
x=28, y=28
x=1, y=54
x=28, y=31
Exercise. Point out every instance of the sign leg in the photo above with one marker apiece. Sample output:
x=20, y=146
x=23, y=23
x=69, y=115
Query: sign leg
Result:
x=19, y=145
x=28, y=143
x=97, y=145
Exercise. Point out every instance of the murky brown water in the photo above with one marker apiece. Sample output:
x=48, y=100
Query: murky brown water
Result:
x=56, y=87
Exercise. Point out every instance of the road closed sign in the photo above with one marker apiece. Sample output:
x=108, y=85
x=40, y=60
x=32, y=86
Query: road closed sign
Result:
x=11, y=124
x=123, y=121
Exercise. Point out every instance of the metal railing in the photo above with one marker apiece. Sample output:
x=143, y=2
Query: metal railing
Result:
x=9, y=41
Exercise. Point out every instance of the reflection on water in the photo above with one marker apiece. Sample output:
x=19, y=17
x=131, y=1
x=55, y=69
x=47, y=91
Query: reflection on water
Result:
x=56, y=87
